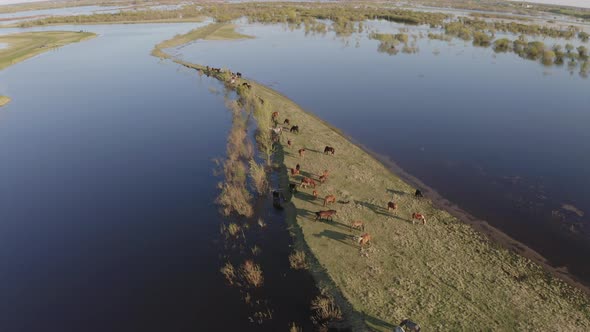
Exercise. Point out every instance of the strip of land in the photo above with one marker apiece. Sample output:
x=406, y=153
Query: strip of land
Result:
x=444, y=274
x=21, y=46
x=4, y=100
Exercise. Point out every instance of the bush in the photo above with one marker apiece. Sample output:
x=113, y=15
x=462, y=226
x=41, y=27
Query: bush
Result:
x=252, y=273
x=481, y=39
x=502, y=45
x=258, y=176
x=325, y=309
x=297, y=260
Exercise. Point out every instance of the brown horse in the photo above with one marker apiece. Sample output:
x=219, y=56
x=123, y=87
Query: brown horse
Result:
x=323, y=179
x=329, y=150
x=294, y=171
x=305, y=182
x=286, y=122
x=329, y=199
x=326, y=173
x=325, y=215
x=274, y=115
x=289, y=143
x=357, y=224
x=364, y=239
x=298, y=167
x=391, y=206
x=301, y=153
x=315, y=194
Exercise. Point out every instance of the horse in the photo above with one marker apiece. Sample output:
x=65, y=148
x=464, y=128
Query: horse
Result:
x=410, y=326
x=298, y=167
x=391, y=206
x=418, y=216
x=329, y=199
x=286, y=122
x=329, y=150
x=274, y=115
x=301, y=153
x=418, y=193
x=357, y=224
x=323, y=178
x=294, y=129
x=246, y=85
x=315, y=194
x=305, y=182
x=325, y=215
x=239, y=75
x=294, y=171
x=364, y=239
x=289, y=143
x=326, y=173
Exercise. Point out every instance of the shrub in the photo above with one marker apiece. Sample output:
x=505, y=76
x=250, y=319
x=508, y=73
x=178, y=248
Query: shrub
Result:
x=502, y=45
x=325, y=309
x=258, y=176
x=252, y=273
x=297, y=260
x=229, y=273
x=481, y=39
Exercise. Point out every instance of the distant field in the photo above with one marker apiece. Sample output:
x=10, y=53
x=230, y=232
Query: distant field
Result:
x=22, y=46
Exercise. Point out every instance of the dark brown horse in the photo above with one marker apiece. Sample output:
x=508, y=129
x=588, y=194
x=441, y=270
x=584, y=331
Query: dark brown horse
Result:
x=325, y=215
x=301, y=153
x=294, y=129
x=329, y=150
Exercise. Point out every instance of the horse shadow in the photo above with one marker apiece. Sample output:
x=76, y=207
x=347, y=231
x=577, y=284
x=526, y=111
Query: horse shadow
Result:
x=396, y=192
x=381, y=324
x=312, y=150
x=375, y=208
x=305, y=214
x=346, y=239
x=308, y=197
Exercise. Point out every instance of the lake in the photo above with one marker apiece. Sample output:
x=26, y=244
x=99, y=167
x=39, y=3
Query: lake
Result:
x=503, y=137
x=108, y=221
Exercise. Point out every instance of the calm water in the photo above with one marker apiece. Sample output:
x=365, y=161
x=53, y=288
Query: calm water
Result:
x=505, y=138
x=106, y=214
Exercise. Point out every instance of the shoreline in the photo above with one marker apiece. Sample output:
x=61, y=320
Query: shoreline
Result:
x=523, y=276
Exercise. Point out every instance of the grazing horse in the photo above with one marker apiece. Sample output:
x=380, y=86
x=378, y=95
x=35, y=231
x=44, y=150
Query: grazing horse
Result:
x=301, y=153
x=410, y=326
x=418, y=216
x=286, y=122
x=364, y=239
x=329, y=199
x=289, y=143
x=239, y=75
x=329, y=150
x=325, y=215
x=246, y=85
x=298, y=167
x=391, y=206
x=274, y=115
x=294, y=129
x=418, y=193
x=294, y=171
x=357, y=224
x=323, y=178
x=306, y=182
x=315, y=194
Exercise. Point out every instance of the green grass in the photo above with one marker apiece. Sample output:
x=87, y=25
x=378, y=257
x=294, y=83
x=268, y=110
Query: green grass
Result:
x=444, y=275
x=22, y=46
x=4, y=100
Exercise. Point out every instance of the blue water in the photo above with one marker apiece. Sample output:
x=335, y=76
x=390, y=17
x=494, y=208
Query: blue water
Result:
x=503, y=137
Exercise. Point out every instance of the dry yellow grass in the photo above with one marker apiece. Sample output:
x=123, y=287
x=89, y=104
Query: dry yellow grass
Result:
x=443, y=275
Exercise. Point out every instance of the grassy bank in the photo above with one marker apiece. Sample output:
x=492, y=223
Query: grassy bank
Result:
x=22, y=46
x=4, y=100
x=444, y=275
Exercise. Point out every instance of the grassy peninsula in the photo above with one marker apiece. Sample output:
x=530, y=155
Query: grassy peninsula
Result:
x=444, y=274
x=22, y=46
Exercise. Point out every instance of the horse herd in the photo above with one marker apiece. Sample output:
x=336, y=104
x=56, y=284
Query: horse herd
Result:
x=307, y=182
